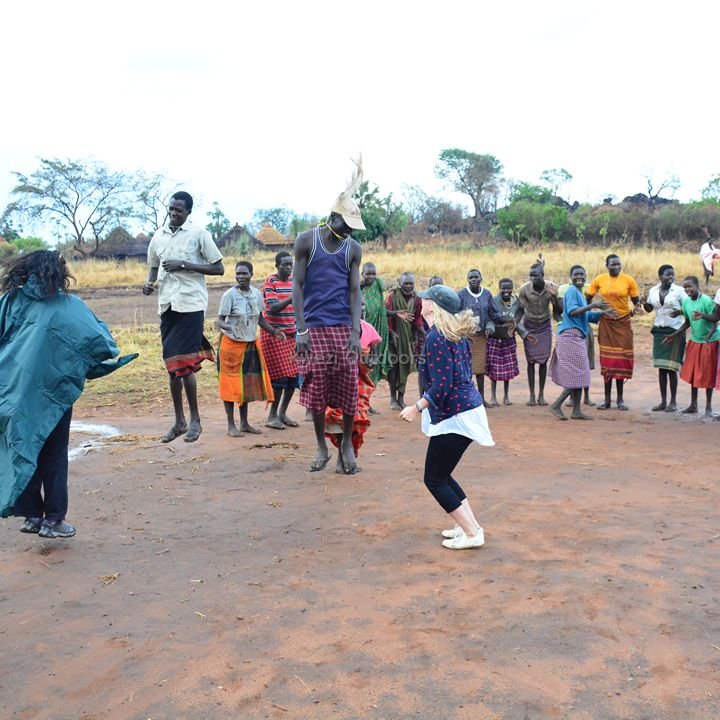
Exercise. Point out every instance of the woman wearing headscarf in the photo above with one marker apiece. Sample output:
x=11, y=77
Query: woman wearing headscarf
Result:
x=452, y=409
x=50, y=344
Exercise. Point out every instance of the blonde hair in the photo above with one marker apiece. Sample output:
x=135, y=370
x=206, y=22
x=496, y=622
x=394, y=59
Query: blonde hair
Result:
x=454, y=327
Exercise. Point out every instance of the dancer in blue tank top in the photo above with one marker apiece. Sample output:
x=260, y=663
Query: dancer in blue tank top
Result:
x=327, y=303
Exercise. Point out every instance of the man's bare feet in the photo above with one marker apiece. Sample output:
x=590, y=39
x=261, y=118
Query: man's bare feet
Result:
x=659, y=407
x=285, y=420
x=542, y=401
x=672, y=407
x=689, y=410
x=275, y=423
x=580, y=416
x=589, y=402
x=531, y=402
x=622, y=406
x=557, y=412
x=174, y=432
x=322, y=458
x=193, y=432
x=347, y=458
x=604, y=405
x=395, y=405
x=232, y=431
x=506, y=401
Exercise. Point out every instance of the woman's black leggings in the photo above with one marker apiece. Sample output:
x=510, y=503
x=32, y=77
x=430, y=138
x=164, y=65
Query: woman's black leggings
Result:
x=443, y=455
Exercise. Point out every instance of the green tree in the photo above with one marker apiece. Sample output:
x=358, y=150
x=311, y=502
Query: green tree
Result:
x=219, y=224
x=477, y=176
x=555, y=179
x=7, y=230
x=382, y=216
x=301, y=223
x=712, y=190
x=531, y=193
x=278, y=217
x=29, y=244
x=82, y=198
x=153, y=194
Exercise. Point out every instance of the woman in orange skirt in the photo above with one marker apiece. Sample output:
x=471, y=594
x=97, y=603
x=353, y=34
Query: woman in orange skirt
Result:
x=242, y=372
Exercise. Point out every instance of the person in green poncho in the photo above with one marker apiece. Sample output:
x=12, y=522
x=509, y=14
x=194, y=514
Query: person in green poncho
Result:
x=376, y=314
x=407, y=335
x=50, y=343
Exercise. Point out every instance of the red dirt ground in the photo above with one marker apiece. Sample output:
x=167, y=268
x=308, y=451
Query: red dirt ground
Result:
x=221, y=580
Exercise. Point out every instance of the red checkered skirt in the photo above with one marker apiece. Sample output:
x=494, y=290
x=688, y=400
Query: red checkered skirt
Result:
x=502, y=362
x=279, y=355
x=329, y=374
x=569, y=364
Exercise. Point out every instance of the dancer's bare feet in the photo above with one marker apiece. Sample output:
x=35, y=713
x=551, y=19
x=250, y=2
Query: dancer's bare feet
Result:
x=174, y=432
x=322, y=458
x=232, y=431
x=580, y=416
x=659, y=407
x=193, y=432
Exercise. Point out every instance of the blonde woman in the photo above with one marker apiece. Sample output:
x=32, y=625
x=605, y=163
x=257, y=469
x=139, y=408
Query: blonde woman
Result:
x=452, y=409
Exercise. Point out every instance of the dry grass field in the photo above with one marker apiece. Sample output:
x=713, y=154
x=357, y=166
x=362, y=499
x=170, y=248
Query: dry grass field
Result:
x=450, y=261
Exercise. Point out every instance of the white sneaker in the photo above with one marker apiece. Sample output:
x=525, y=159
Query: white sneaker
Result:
x=453, y=532
x=457, y=530
x=462, y=541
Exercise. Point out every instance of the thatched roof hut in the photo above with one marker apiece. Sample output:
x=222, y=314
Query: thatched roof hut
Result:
x=121, y=245
x=238, y=236
x=273, y=239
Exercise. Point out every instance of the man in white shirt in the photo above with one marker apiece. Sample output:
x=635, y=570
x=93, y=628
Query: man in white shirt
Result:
x=179, y=256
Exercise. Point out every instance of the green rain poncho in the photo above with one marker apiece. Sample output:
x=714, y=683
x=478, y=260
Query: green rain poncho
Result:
x=48, y=348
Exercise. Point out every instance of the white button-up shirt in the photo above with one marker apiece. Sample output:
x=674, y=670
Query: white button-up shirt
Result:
x=673, y=301
x=182, y=291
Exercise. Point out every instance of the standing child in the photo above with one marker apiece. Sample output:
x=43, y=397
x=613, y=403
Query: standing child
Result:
x=701, y=354
x=502, y=362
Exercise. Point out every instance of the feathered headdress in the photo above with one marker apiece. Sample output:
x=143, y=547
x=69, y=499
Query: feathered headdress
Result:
x=345, y=206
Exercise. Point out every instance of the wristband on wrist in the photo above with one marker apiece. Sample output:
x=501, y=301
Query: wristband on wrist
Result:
x=304, y=332
x=418, y=406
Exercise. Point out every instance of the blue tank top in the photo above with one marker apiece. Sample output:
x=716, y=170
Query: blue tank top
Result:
x=327, y=285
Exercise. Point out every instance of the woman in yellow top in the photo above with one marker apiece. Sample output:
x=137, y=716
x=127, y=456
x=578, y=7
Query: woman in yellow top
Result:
x=615, y=335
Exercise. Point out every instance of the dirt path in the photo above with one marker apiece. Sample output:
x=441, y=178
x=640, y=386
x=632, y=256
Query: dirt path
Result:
x=221, y=580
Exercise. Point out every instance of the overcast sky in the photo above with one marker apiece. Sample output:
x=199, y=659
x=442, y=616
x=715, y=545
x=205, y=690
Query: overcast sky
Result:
x=261, y=104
